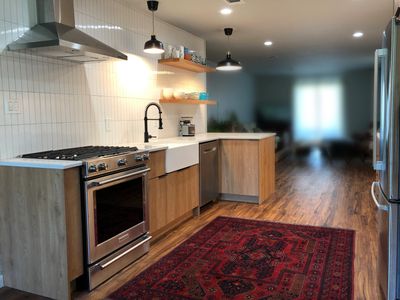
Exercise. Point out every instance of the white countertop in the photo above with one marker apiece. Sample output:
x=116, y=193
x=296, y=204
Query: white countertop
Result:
x=40, y=163
x=157, y=145
x=211, y=136
x=204, y=137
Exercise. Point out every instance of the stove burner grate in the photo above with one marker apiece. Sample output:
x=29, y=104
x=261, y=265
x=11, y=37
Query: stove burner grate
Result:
x=81, y=153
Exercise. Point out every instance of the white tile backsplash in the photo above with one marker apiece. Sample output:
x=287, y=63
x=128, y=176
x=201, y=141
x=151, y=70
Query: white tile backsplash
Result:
x=64, y=104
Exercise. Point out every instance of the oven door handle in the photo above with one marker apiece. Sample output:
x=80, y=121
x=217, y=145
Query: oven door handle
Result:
x=99, y=183
x=103, y=266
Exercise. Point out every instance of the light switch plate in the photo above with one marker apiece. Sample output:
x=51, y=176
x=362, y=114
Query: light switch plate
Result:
x=13, y=105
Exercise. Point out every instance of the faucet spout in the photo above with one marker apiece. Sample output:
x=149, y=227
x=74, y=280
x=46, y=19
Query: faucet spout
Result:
x=147, y=136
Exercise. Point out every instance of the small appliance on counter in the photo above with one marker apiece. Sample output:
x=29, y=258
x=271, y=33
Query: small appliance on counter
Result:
x=186, y=128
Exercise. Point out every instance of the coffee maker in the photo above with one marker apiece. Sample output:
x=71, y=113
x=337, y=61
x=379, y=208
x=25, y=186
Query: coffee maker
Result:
x=186, y=127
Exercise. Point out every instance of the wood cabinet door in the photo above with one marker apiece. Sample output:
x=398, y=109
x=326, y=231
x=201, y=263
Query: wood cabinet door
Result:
x=266, y=168
x=182, y=192
x=157, y=200
x=239, y=164
x=157, y=164
x=172, y=196
x=193, y=187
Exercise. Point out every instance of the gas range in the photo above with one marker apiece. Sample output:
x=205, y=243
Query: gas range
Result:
x=98, y=160
x=114, y=185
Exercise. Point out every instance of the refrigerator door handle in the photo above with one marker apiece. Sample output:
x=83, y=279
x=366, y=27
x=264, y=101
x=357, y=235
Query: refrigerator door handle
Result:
x=380, y=206
x=378, y=165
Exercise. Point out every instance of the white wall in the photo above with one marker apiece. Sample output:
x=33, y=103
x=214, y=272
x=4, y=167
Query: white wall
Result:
x=66, y=104
x=234, y=92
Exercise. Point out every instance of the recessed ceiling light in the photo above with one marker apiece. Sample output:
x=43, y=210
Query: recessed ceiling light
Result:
x=358, y=34
x=268, y=43
x=226, y=11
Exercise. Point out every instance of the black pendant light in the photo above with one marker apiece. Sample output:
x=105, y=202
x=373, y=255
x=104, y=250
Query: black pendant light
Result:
x=228, y=64
x=153, y=46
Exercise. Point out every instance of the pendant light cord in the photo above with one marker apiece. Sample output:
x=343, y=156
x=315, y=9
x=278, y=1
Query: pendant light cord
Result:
x=229, y=45
x=152, y=12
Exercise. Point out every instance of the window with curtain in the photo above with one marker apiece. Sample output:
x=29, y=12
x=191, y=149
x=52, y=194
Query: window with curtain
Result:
x=318, y=110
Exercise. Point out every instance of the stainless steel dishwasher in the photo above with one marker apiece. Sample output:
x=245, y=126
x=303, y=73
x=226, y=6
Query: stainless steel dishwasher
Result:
x=209, y=172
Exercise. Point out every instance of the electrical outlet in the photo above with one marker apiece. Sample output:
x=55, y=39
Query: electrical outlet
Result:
x=12, y=105
x=108, y=124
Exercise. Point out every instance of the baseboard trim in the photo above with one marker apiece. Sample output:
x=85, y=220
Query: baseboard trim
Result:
x=239, y=198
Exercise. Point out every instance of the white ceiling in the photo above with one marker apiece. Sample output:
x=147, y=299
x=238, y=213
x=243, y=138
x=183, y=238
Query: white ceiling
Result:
x=309, y=35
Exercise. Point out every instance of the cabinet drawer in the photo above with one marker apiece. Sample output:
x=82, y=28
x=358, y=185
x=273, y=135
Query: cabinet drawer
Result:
x=157, y=164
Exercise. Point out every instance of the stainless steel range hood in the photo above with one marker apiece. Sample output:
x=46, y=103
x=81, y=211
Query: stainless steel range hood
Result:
x=55, y=36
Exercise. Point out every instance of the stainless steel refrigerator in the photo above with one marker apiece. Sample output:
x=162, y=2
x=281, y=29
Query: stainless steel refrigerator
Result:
x=386, y=158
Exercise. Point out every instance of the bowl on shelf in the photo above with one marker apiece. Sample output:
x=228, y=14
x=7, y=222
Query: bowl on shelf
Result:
x=194, y=96
x=179, y=94
x=203, y=96
x=167, y=93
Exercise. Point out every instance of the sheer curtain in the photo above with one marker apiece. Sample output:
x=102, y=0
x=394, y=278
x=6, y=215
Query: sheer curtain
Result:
x=318, y=110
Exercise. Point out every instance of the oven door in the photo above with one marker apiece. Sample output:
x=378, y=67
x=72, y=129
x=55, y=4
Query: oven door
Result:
x=115, y=211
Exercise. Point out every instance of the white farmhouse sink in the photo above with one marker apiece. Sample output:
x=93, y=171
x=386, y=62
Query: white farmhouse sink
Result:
x=181, y=155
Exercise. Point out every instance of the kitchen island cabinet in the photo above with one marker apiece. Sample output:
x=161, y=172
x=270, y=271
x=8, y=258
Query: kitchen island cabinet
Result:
x=246, y=163
x=41, y=229
x=247, y=174
x=247, y=169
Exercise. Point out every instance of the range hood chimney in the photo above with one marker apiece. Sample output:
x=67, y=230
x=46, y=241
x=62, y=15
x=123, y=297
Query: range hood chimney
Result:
x=55, y=36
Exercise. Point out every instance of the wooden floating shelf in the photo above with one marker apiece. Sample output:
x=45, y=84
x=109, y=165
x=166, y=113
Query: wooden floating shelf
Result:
x=187, y=101
x=186, y=65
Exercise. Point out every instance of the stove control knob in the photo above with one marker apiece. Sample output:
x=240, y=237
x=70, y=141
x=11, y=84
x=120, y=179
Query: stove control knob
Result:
x=122, y=162
x=139, y=158
x=92, y=168
x=145, y=157
x=102, y=167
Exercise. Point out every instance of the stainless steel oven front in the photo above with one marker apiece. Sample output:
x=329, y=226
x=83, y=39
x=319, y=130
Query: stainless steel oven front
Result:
x=116, y=218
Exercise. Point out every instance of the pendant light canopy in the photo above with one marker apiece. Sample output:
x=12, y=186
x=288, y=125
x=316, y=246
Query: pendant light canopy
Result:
x=229, y=64
x=153, y=46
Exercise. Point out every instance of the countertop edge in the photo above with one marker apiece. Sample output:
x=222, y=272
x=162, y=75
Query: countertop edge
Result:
x=236, y=137
x=154, y=148
x=206, y=137
x=40, y=163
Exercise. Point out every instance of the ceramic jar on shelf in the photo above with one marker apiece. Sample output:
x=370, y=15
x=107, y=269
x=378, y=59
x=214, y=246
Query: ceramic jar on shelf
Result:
x=183, y=52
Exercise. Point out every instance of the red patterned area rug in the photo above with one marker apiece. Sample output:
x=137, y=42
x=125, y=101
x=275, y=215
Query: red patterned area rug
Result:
x=234, y=258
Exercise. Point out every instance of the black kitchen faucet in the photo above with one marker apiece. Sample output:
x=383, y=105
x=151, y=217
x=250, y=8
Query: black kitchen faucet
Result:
x=147, y=136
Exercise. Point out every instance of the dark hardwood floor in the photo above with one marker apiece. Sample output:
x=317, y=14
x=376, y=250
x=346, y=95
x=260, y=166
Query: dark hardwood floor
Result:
x=311, y=191
x=12, y=294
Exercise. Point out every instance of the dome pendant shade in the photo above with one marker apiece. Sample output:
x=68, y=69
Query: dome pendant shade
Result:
x=153, y=46
x=229, y=64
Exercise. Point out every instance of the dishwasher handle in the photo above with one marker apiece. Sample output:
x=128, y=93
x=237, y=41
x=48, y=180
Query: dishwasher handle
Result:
x=213, y=149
